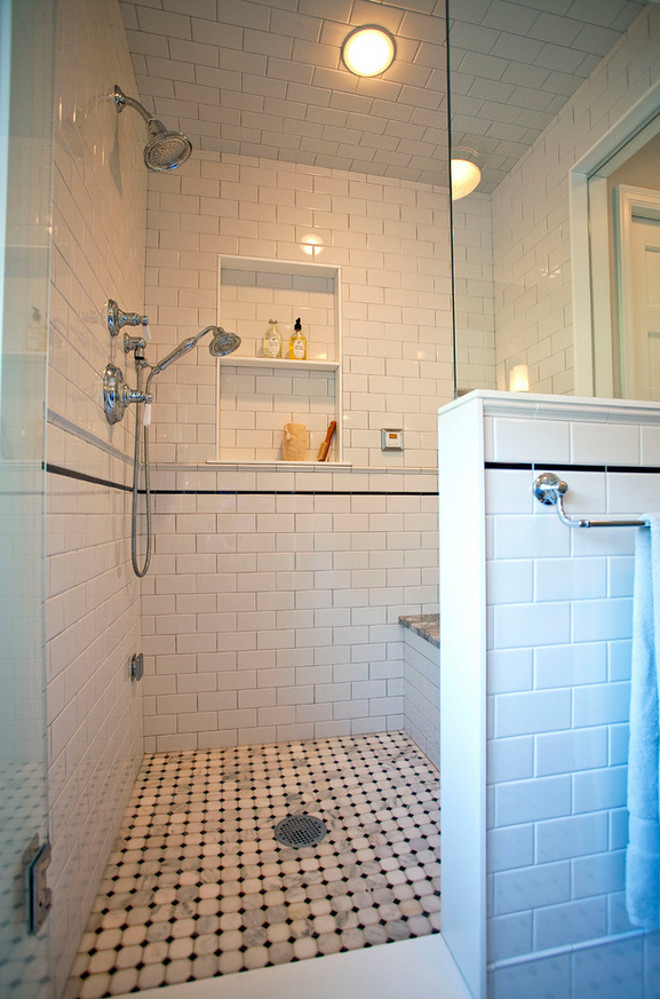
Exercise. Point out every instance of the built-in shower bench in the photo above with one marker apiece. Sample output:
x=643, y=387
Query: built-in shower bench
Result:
x=421, y=681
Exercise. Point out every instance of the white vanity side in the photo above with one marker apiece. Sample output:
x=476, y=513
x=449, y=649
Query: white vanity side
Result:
x=558, y=627
x=462, y=688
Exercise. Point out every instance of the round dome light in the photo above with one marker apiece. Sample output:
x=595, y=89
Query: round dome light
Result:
x=465, y=177
x=368, y=51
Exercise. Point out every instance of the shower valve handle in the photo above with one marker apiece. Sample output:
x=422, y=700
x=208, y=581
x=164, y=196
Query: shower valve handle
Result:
x=117, y=395
x=117, y=318
x=132, y=395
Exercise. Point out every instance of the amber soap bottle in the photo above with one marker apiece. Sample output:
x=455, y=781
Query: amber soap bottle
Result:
x=298, y=343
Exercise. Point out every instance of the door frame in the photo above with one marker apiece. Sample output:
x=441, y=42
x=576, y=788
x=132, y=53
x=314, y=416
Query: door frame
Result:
x=590, y=253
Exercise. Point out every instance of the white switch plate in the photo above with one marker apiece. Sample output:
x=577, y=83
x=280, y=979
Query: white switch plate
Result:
x=391, y=440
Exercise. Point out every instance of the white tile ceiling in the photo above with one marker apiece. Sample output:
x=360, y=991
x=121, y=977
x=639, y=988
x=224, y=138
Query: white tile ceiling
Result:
x=266, y=79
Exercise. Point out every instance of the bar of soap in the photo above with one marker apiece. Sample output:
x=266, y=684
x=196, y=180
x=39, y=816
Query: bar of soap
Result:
x=295, y=442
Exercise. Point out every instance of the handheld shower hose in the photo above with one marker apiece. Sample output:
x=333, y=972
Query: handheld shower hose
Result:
x=222, y=343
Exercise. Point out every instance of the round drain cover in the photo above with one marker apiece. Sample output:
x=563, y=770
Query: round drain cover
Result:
x=300, y=830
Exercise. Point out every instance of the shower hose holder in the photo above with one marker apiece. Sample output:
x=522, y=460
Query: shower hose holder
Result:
x=117, y=394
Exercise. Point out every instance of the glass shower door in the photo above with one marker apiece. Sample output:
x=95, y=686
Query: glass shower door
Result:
x=26, y=111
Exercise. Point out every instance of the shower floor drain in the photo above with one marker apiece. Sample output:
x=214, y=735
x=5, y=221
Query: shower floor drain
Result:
x=300, y=830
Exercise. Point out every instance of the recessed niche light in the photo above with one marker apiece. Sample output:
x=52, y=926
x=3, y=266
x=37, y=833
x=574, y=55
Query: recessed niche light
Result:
x=311, y=245
x=465, y=177
x=368, y=50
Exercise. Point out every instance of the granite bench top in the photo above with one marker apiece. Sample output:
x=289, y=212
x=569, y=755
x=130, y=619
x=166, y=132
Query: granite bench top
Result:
x=425, y=625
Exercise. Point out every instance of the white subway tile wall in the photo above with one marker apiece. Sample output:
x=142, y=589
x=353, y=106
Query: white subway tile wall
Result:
x=421, y=693
x=92, y=614
x=274, y=615
x=560, y=609
x=391, y=239
x=530, y=212
x=474, y=291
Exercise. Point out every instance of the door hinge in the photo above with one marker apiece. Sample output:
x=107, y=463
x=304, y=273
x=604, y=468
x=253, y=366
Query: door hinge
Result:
x=38, y=894
x=137, y=666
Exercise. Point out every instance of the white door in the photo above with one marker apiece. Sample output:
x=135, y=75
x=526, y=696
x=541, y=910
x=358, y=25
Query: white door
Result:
x=638, y=256
x=645, y=251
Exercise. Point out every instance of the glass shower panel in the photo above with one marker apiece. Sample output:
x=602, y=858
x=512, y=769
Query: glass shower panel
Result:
x=26, y=113
x=518, y=73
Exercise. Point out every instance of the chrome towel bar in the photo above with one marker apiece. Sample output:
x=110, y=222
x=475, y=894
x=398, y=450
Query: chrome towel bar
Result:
x=549, y=489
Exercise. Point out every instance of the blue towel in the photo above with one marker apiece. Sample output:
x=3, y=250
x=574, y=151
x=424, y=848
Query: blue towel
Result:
x=643, y=852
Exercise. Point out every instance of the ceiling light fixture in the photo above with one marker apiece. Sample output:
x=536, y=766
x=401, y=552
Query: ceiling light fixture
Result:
x=368, y=50
x=465, y=177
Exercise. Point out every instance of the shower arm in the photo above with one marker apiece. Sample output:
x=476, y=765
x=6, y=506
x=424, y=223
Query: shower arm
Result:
x=122, y=100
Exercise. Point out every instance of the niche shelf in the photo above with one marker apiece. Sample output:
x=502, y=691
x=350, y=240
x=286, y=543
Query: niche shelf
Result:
x=257, y=395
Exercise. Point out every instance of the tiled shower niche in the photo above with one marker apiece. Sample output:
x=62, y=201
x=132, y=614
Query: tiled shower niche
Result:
x=258, y=395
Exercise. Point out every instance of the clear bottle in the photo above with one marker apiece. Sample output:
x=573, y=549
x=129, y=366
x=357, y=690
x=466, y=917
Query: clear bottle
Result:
x=272, y=346
x=298, y=343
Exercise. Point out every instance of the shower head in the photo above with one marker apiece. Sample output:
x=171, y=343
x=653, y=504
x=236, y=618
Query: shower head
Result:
x=165, y=150
x=221, y=344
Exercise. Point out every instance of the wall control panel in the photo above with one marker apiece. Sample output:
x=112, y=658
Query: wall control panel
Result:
x=391, y=440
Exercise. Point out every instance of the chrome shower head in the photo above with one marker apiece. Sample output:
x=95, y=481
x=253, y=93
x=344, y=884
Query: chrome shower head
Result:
x=223, y=343
x=165, y=150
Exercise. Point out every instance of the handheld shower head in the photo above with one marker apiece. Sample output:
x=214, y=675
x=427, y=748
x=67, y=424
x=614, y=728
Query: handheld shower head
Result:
x=165, y=150
x=221, y=344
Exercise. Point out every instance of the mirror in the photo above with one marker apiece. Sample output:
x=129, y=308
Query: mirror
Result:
x=542, y=100
x=624, y=218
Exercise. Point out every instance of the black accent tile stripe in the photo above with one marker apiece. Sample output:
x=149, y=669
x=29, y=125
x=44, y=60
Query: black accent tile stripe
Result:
x=508, y=466
x=287, y=492
x=628, y=469
x=550, y=466
x=83, y=477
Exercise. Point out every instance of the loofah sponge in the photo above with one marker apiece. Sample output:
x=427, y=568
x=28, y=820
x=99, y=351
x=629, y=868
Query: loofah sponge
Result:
x=295, y=442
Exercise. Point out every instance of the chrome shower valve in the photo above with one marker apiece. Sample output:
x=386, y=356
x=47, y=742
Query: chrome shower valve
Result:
x=117, y=394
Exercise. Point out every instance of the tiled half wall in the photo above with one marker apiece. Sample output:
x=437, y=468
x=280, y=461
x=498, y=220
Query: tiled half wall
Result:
x=555, y=690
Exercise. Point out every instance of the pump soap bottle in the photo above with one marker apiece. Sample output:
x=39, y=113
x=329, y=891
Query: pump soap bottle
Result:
x=272, y=340
x=298, y=343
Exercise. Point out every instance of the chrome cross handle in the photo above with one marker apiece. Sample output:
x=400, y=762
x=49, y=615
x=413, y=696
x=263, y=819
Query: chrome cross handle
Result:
x=116, y=318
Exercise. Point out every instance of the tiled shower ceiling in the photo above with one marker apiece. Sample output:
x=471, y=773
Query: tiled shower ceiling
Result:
x=266, y=79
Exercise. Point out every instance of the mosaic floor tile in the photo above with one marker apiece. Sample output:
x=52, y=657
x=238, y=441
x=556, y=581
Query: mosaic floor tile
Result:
x=198, y=886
